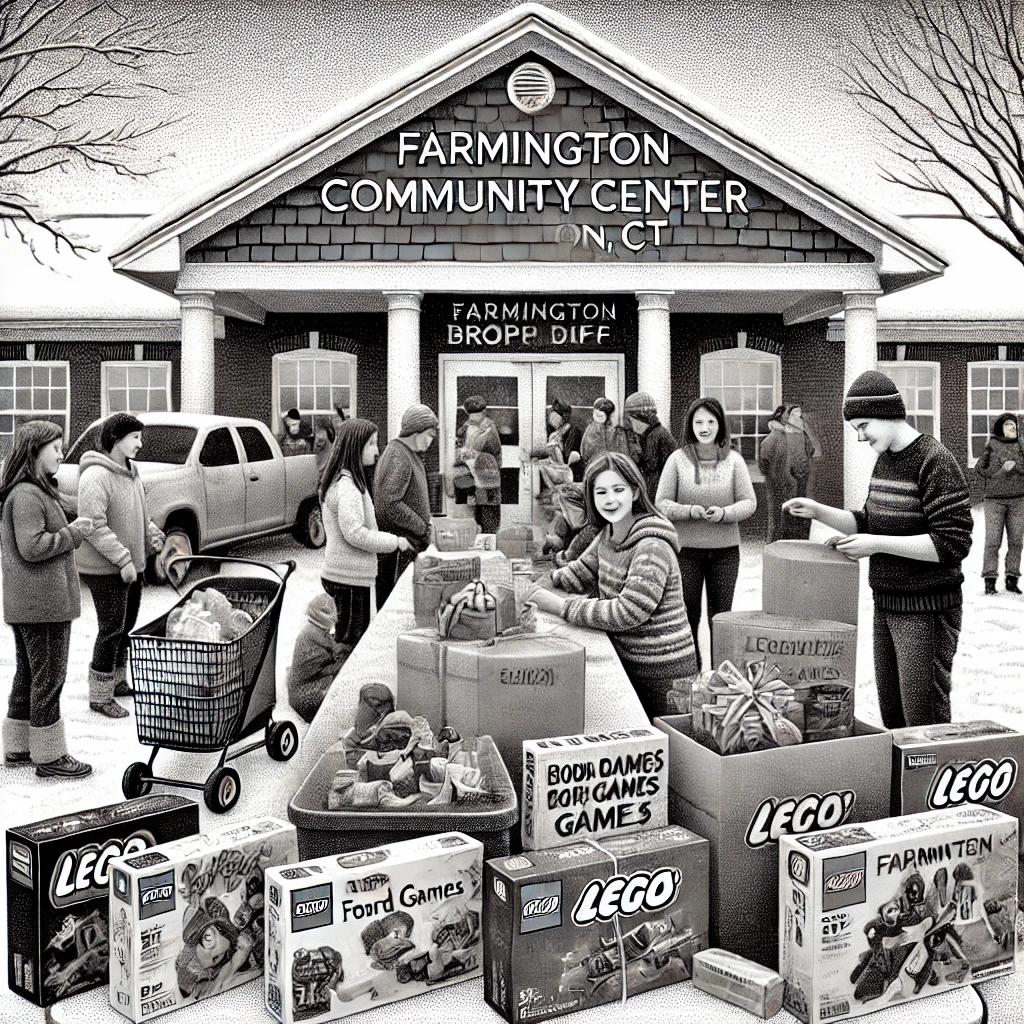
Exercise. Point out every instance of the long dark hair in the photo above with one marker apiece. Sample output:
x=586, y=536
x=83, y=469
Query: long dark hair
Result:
x=20, y=465
x=723, y=439
x=627, y=469
x=347, y=454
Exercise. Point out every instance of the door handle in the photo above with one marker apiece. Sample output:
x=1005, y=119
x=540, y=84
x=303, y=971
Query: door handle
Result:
x=254, y=477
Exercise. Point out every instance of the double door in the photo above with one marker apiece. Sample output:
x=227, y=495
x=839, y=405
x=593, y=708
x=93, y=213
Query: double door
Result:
x=519, y=393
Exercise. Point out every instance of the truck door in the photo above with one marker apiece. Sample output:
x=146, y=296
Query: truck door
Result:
x=224, y=487
x=264, y=482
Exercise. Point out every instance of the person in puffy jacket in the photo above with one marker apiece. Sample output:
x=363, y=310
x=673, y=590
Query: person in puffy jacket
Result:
x=602, y=435
x=1001, y=466
x=786, y=457
x=651, y=442
x=112, y=560
x=316, y=658
x=477, y=468
x=41, y=598
x=349, y=571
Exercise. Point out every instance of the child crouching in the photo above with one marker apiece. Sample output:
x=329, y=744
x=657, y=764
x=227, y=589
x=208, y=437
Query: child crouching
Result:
x=317, y=658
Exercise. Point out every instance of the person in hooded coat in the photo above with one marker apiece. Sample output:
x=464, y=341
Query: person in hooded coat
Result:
x=1001, y=466
x=602, y=435
x=477, y=466
x=786, y=458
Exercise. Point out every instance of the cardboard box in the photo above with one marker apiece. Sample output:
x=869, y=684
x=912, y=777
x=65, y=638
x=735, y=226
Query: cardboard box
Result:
x=597, y=785
x=57, y=890
x=807, y=580
x=453, y=534
x=743, y=803
x=895, y=910
x=349, y=933
x=186, y=917
x=550, y=945
x=935, y=767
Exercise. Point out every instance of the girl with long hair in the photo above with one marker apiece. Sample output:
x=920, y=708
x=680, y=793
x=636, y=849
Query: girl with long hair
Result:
x=628, y=579
x=353, y=541
x=705, y=490
x=41, y=598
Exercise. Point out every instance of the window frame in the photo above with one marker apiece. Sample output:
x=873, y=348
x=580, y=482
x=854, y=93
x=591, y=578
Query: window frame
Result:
x=149, y=364
x=299, y=355
x=888, y=365
x=49, y=364
x=990, y=364
x=234, y=447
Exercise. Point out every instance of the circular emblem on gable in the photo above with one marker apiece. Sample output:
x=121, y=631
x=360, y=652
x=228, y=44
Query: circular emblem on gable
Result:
x=531, y=87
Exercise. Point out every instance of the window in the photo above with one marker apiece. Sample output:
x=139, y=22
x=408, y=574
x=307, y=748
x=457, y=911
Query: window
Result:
x=919, y=385
x=135, y=387
x=313, y=381
x=255, y=445
x=219, y=449
x=993, y=388
x=32, y=391
x=748, y=383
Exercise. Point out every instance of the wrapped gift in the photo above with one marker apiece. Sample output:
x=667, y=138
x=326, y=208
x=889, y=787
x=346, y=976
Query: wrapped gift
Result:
x=453, y=534
x=477, y=612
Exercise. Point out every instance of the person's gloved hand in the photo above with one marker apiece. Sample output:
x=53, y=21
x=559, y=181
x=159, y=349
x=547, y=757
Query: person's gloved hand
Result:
x=128, y=573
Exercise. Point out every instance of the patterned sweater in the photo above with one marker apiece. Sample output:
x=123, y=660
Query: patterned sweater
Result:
x=638, y=602
x=920, y=489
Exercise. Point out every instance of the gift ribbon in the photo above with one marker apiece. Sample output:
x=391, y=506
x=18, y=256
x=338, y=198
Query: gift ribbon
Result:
x=617, y=928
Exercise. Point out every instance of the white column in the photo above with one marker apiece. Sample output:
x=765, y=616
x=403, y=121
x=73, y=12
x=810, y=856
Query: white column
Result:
x=860, y=337
x=197, y=351
x=654, y=351
x=403, y=355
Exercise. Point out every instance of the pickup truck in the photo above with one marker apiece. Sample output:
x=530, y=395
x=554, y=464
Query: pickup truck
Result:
x=213, y=480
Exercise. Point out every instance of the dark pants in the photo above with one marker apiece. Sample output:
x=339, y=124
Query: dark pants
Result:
x=913, y=665
x=488, y=517
x=1003, y=515
x=40, y=668
x=389, y=569
x=353, y=605
x=713, y=569
x=117, y=608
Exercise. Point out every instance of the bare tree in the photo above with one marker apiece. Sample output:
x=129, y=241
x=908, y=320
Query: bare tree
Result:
x=71, y=74
x=945, y=79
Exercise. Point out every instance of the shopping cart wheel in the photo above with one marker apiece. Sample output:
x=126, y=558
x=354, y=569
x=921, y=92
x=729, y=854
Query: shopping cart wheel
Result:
x=282, y=740
x=222, y=789
x=135, y=781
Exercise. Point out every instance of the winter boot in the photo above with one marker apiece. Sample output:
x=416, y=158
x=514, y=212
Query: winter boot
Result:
x=16, y=750
x=101, y=695
x=122, y=688
x=990, y=585
x=50, y=753
x=1011, y=585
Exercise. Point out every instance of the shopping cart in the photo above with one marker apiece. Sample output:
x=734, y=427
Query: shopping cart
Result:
x=205, y=695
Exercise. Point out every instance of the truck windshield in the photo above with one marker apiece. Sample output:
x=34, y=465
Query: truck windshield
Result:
x=160, y=443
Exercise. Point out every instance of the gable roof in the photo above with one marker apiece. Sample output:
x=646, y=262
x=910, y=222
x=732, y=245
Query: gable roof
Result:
x=152, y=250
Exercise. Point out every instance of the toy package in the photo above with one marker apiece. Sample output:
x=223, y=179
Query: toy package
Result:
x=186, y=918
x=578, y=926
x=895, y=910
x=597, y=785
x=739, y=981
x=348, y=933
x=57, y=875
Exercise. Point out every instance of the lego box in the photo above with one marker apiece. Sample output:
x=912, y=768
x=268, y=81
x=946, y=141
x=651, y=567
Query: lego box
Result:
x=895, y=910
x=576, y=926
x=186, y=918
x=57, y=883
x=348, y=933
x=597, y=785
x=940, y=766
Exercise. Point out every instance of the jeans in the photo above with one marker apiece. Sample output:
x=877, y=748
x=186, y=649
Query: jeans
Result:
x=715, y=569
x=353, y=605
x=1003, y=514
x=40, y=668
x=914, y=664
x=117, y=608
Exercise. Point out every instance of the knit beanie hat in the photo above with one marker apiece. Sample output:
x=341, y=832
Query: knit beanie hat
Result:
x=322, y=612
x=874, y=396
x=415, y=419
x=640, y=405
x=475, y=403
x=121, y=424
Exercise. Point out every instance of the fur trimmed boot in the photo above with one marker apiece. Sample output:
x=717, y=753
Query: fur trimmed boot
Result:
x=990, y=585
x=50, y=753
x=101, y=695
x=16, y=749
x=1011, y=585
x=122, y=688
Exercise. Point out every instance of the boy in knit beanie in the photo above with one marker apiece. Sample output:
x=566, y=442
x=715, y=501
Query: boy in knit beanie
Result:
x=316, y=659
x=401, y=499
x=651, y=443
x=916, y=529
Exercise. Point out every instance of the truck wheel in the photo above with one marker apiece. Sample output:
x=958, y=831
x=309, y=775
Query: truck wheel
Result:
x=309, y=525
x=176, y=543
x=222, y=789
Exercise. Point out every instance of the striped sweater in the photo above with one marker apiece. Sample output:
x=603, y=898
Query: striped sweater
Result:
x=920, y=489
x=638, y=602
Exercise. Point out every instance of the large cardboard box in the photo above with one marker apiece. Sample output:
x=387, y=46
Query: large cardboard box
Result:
x=550, y=943
x=807, y=580
x=597, y=785
x=350, y=933
x=57, y=890
x=186, y=918
x=742, y=803
x=935, y=767
x=895, y=910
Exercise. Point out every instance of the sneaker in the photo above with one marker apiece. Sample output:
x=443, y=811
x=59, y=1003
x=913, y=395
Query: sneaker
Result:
x=1011, y=585
x=990, y=586
x=65, y=767
x=16, y=758
x=111, y=709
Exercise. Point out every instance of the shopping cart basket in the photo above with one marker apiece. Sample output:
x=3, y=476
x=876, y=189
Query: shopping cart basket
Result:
x=205, y=695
